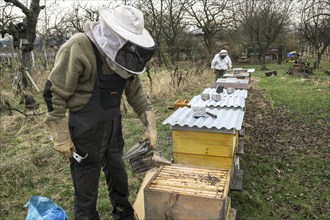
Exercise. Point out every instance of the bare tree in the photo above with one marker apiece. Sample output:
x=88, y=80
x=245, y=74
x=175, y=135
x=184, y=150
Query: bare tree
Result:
x=315, y=26
x=53, y=32
x=153, y=14
x=321, y=5
x=262, y=22
x=27, y=29
x=80, y=15
x=6, y=17
x=164, y=21
x=210, y=16
x=173, y=27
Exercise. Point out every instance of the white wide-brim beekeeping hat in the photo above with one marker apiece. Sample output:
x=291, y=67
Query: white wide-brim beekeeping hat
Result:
x=223, y=52
x=128, y=22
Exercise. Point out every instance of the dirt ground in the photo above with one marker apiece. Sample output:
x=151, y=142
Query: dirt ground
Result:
x=275, y=132
x=286, y=164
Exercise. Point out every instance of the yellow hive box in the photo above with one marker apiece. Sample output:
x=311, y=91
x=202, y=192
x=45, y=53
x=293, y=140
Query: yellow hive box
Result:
x=181, y=193
x=205, y=149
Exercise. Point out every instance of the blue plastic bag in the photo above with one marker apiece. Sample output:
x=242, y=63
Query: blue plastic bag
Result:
x=43, y=208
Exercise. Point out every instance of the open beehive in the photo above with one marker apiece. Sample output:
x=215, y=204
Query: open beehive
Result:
x=181, y=192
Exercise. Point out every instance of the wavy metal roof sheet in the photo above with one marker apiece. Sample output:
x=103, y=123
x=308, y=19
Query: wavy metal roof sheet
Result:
x=236, y=75
x=236, y=99
x=241, y=70
x=227, y=118
x=233, y=80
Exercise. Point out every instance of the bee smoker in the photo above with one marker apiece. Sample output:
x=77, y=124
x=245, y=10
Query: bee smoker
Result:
x=141, y=158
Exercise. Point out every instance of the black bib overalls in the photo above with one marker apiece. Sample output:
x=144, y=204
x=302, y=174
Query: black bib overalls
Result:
x=96, y=130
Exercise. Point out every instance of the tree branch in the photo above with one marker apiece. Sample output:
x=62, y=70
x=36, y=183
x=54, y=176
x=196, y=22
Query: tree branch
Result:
x=19, y=5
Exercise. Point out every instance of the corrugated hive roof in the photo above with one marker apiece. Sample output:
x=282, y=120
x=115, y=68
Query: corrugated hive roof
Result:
x=235, y=75
x=242, y=93
x=233, y=80
x=236, y=99
x=241, y=70
x=227, y=118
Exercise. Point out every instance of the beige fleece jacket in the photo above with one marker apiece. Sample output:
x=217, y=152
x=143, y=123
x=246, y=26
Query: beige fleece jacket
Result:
x=71, y=81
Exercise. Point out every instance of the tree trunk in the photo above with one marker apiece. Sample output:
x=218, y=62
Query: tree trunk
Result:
x=320, y=52
x=263, y=62
x=27, y=29
x=318, y=60
x=26, y=60
x=279, y=54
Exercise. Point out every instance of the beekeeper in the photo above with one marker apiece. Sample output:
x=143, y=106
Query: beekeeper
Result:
x=220, y=63
x=92, y=70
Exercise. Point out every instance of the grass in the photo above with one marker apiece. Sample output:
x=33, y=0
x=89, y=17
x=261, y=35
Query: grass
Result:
x=286, y=166
x=286, y=163
x=299, y=95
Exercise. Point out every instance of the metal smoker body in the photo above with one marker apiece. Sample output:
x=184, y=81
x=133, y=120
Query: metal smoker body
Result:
x=141, y=158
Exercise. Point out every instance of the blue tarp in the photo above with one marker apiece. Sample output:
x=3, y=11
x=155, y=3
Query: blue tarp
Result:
x=290, y=54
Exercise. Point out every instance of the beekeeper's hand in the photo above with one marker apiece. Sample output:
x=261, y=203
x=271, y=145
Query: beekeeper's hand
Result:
x=148, y=119
x=59, y=130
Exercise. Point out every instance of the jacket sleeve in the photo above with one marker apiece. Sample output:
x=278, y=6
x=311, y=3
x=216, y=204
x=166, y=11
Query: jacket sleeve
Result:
x=61, y=83
x=136, y=96
x=213, y=63
x=229, y=63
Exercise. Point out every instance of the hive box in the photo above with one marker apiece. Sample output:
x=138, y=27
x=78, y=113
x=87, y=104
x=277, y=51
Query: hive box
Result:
x=204, y=147
x=238, y=76
x=181, y=192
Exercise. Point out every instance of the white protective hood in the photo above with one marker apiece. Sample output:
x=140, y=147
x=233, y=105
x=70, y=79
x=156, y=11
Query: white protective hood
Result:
x=109, y=43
